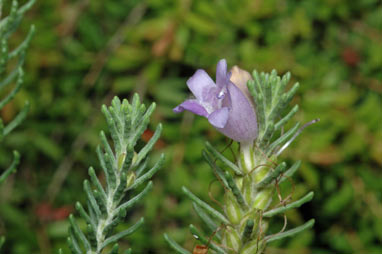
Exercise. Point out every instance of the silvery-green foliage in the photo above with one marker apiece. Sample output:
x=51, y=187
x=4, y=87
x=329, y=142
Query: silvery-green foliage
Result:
x=250, y=182
x=125, y=169
x=8, y=26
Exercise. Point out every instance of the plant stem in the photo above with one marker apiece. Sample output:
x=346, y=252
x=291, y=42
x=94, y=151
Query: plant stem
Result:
x=110, y=206
x=246, y=232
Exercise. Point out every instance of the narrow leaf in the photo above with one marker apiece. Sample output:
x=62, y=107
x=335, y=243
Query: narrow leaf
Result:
x=195, y=232
x=235, y=191
x=135, y=199
x=78, y=233
x=216, y=168
x=175, y=245
x=272, y=176
x=289, y=173
x=107, y=147
x=24, y=44
x=17, y=120
x=73, y=245
x=206, y=219
x=122, y=234
x=84, y=215
x=92, y=201
x=206, y=206
x=286, y=118
x=147, y=148
x=223, y=159
x=308, y=197
x=12, y=168
x=12, y=94
x=96, y=183
x=149, y=173
x=283, y=138
x=291, y=232
x=102, y=162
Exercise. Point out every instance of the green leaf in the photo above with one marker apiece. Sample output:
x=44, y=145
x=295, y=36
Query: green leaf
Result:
x=12, y=168
x=308, y=197
x=223, y=159
x=273, y=175
x=17, y=120
x=175, y=245
x=149, y=174
x=206, y=219
x=205, y=206
x=291, y=232
x=135, y=199
x=122, y=234
x=147, y=148
x=215, y=167
x=78, y=233
x=290, y=172
x=195, y=232
x=235, y=191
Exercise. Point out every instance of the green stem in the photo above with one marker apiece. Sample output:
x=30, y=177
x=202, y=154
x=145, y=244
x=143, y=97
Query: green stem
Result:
x=256, y=167
x=111, y=205
x=246, y=157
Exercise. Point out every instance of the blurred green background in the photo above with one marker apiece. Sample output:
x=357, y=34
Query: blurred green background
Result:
x=85, y=52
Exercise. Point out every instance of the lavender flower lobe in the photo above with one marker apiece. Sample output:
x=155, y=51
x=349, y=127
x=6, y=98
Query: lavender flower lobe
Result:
x=224, y=104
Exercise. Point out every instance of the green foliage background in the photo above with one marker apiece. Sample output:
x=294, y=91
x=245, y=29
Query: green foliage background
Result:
x=85, y=52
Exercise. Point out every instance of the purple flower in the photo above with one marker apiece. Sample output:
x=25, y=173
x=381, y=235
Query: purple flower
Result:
x=224, y=105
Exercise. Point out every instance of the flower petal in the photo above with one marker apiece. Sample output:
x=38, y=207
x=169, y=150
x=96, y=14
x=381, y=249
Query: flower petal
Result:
x=200, y=83
x=240, y=78
x=242, y=123
x=193, y=106
x=221, y=73
x=219, y=117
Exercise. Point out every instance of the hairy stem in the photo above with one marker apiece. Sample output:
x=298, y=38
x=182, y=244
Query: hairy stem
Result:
x=246, y=232
x=111, y=206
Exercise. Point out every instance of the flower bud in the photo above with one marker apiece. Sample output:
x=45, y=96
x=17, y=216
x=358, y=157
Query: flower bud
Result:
x=121, y=159
x=240, y=78
x=130, y=179
x=252, y=247
x=232, y=208
x=231, y=239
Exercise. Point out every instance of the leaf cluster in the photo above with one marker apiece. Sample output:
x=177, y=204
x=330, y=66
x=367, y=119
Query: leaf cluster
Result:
x=271, y=100
x=8, y=26
x=125, y=170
